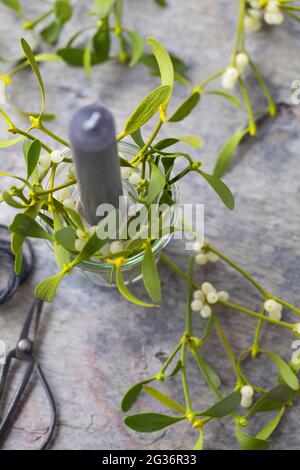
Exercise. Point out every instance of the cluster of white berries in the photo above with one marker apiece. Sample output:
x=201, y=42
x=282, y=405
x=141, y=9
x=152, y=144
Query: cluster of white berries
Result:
x=232, y=73
x=64, y=196
x=82, y=237
x=130, y=175
x=56, y=156
x=274, y=309
x=205, y=297
x=252, y=20
x=202, y=257
x=247, y=393
x=116, y=247
x=272, y=14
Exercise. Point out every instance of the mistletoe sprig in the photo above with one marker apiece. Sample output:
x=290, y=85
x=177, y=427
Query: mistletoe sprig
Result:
x=210, y=303
x=252, y=14
x=40, y=198
x=106, y=22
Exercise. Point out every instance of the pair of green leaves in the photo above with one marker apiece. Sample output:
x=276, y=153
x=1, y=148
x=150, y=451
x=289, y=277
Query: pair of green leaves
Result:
x=151, y=422
x=63, y=12
x=95, y=52
x=159, y=97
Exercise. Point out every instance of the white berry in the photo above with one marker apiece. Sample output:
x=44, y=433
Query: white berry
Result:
x=246, y=402
x=196, y=305
x=62, y=194
x=223, y=295
x=229, y=77
x=247, y=391
x=134, y=179
x=126, y=172
x=252, y=23
x=80, y=244
x=199, y=295
x=277, y=315
x=45, y=160
x=201, y=259
x=272, y=7
x=206, y=311
x=198, y=246
x=207, y=287
x=69, y=203
x=241, y=61
x=274, y=18
x=297, y=328
x=116, y=247
x=212, y=297
x=57, y=156
x=271, y=306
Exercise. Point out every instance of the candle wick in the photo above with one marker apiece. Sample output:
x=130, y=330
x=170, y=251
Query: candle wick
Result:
x=91, y=123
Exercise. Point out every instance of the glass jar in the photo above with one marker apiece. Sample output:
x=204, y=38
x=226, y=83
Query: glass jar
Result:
x=99, y=273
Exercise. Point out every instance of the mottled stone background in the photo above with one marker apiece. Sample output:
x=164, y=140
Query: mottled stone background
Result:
x=94, y=345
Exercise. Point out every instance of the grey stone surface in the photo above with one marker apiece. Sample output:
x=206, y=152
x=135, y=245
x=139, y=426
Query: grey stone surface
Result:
x=94, y=345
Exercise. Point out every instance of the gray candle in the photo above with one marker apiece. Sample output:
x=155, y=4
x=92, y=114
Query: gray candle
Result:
x=94, y=151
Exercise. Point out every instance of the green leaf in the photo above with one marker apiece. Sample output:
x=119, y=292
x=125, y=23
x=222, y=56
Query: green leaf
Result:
x=270, y=427
x=87, y=58
x=103, y=7
x=66, y=237
x=32, y=154
x=220, y=188
x=19, y=262
x=46, y=289
x=146, y=109
x=276, y=398
x=161, y=3
x=247, y=442
x=224, y=407
x=50, y=33
x=13, y=4
x=4, y=144
x=101, y=42
x=74, y=56
x=156, y=185
x=27, y=227
x=150, y=422
x=132, y=394
x=186, y=107
x=192, y=140
x=61, y=254
x=30, y=56
x=208, y=372
x=137, y=138
x=176, y=369
x=284, y=369
x=226, y=154
x=164, y=62
x=233, y=99
x=150, y=275
x=164, y=399
x=11, y=201
x=137, y=47
x=126, y=293
x=63, y=11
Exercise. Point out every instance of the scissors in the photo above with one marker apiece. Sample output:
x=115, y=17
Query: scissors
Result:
x=23, y=352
